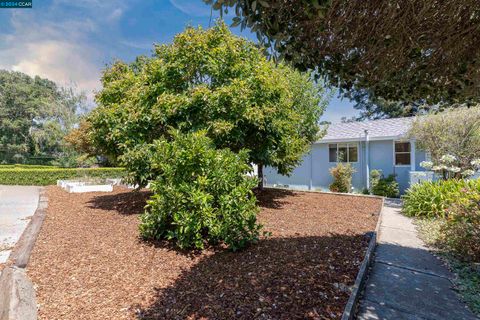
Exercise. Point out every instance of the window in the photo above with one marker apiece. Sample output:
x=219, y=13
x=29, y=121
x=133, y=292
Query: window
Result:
x=343, y=152
x=402, y=153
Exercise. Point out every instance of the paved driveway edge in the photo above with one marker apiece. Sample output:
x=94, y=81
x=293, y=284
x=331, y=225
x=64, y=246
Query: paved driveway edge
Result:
x=17, y=298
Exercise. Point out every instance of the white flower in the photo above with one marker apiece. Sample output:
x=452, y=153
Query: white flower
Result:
x=475, y=163
x=438, y=168
x=468, y=173
x=448, y=158
x=454, y=169
x=426, y=164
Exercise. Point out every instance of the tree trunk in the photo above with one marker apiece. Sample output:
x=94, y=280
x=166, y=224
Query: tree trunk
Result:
x=260, y=176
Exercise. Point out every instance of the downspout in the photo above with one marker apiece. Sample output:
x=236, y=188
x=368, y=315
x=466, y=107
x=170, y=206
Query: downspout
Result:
x=367, y=159
x=310, y=187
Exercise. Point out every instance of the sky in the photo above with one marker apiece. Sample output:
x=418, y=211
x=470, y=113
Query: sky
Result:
x=71, y=42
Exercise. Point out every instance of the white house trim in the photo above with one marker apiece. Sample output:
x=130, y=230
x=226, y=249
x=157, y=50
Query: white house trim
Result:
x=412, y=155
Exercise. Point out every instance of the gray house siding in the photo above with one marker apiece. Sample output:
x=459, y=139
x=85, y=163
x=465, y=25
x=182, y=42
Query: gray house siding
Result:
x=314, y=171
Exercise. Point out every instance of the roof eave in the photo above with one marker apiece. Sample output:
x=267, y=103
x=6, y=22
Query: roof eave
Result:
x=399, y=137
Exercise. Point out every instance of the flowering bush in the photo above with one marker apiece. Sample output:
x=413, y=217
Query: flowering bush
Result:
x=449, y=167
x=428, y=165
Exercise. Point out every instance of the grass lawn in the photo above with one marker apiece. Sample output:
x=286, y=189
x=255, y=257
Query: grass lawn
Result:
x=89, y=263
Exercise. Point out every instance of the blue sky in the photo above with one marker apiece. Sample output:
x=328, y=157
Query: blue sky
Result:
x=70, y=42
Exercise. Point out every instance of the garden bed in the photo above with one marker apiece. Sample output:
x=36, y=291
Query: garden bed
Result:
x=89, y=263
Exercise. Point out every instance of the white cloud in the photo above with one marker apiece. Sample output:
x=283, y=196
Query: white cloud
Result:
x=60, y=61
x=54, y=49
x=115, y=15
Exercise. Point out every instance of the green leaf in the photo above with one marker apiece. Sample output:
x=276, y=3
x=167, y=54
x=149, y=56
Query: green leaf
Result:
x=236, y=22
x=264, y=3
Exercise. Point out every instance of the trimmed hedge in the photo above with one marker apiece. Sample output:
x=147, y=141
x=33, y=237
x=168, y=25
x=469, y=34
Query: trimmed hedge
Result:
x=42, y=176
x=26, y=166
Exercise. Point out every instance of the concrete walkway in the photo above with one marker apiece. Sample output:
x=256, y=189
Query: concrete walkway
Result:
x=406, y=280
x=17, y=205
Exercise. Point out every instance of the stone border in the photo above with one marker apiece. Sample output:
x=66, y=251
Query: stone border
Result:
x=351, y=307
x=17, y=300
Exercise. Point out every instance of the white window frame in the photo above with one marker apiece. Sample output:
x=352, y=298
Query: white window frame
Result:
x=395, y=153
x=348, y=144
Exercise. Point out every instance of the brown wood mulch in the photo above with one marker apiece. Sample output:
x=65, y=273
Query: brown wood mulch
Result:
x=89, y=263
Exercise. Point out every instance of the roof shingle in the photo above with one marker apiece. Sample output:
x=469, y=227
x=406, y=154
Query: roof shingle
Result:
x=377, y=129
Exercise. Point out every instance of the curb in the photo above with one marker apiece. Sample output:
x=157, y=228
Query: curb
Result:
x=22, y=250
x=17, y=298
x=351, y=306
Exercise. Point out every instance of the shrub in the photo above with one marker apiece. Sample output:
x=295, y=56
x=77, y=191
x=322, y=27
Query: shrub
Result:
x=432, y=199
x=342, y=178
x=201, y=194
x=385, y=187
x=375, y=176
x=42, y=176
x=461, y=231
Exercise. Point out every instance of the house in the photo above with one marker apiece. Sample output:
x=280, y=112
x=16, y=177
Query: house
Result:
x=376, y=144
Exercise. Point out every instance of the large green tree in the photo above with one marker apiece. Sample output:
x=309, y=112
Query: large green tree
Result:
x=399, y=50
x=209, y=80
x=35, y=114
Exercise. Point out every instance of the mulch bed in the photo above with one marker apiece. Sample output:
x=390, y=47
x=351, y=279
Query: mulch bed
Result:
x=89, y=262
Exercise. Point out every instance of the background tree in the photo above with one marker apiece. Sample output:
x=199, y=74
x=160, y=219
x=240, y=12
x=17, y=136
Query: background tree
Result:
x=399, y=50
x=209, y=80
x=35, y=114
x=372, y=108
x=452, y=138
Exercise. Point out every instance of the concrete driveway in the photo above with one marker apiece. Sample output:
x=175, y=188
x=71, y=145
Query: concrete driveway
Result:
x=17, y=205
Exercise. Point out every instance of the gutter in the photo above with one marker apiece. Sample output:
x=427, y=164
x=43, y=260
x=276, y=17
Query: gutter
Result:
x=360, y=138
